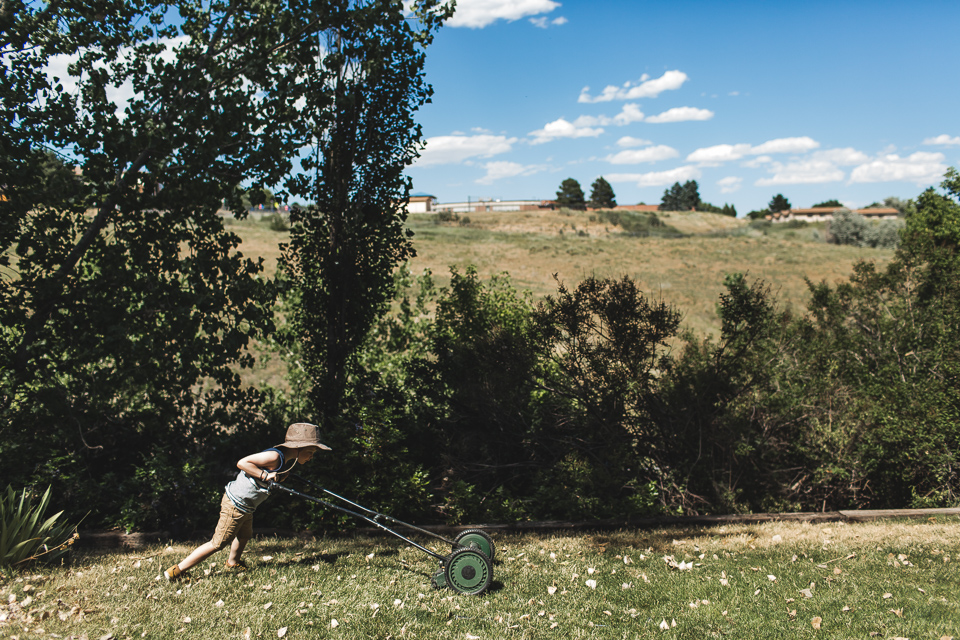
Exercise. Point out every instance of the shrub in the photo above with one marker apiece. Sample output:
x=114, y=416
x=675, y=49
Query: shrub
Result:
x=851, y=228
x=25, y=536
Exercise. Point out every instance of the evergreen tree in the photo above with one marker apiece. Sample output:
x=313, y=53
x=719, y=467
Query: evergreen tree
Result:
x=778, y=203
x=729, y=210
x=679, y=197
x=601, y=195
x=570, y=195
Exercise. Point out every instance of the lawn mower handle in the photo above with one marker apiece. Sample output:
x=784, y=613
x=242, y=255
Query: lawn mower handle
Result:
x=276, y=485
x=377, y=514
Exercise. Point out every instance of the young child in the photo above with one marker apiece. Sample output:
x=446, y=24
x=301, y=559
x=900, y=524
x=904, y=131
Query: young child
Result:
x=247, y=491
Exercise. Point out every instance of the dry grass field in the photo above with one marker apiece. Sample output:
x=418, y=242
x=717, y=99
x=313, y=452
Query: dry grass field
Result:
x=686, y=272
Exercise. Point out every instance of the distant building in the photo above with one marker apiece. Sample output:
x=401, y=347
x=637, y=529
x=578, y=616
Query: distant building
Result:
x=421, y=203
x=484, y=205
x=822, y=214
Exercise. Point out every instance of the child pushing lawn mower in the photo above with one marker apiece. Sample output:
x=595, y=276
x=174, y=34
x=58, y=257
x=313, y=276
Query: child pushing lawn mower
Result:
x=247, y=491
x=468, y=569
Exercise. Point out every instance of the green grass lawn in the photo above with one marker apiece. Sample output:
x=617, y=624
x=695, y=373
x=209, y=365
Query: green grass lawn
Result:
x=894, y=579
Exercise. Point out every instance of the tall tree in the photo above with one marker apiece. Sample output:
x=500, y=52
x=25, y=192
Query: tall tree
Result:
x=778, y=203
x=601, y=195
x=571, y=196
x=826, y=203
x=344, y=248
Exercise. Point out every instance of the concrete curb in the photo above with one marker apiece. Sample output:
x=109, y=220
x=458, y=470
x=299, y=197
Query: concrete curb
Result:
x=120, y=540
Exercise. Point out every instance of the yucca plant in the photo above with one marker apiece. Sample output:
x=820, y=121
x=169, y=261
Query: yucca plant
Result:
x=25, y=536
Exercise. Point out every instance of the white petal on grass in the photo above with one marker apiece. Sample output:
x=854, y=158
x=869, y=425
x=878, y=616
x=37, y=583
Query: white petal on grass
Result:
x=334, y=624
x=592, y=584
x=282, y=631
x=664, y=625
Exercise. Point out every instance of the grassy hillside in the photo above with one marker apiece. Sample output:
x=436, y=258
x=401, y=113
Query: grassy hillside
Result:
x=685, y=271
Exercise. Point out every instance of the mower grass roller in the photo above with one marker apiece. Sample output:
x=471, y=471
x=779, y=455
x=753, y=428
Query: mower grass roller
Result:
x=467, y=569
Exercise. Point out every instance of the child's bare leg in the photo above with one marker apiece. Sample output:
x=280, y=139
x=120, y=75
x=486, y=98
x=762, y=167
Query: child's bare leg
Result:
x=199, y=554
x=236, y=550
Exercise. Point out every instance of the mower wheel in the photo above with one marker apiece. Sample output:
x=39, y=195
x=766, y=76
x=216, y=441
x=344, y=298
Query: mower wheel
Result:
x=477, y=539
x=468, y=571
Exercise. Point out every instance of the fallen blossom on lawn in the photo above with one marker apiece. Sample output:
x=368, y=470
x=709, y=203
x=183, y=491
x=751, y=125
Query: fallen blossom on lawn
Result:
x=551, y=590
x=679, y=566
x=592, y=584
x=282, y=631
x=816, y=622
x=334, y=624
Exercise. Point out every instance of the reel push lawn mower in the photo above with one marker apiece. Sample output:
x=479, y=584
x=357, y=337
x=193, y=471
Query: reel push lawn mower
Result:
x=467, y=569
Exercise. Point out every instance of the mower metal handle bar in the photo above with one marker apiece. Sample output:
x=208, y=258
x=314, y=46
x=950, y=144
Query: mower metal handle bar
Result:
x=377, y=514
x=276, y=485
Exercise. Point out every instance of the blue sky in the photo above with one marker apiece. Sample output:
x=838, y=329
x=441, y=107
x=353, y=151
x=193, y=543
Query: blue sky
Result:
x=852, y=100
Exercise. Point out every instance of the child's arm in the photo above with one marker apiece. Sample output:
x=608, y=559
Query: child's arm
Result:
x=259, y=465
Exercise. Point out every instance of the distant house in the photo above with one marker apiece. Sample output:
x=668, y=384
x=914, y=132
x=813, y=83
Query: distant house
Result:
x=822, y=214
x=421, y=203
x=485, y=205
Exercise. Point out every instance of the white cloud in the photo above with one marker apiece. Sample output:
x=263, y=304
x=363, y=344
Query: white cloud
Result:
x=786, y=145
x=729, y=152
x=649, y=154
x=843, y=157
x=682, y=114
x=477, y=14
x=630, y=113
x=657, y=178
x=630, y=91
x=921, y=168
x=543, y=22
x=943, y=139
x=503, y=169
x=456, y=149
x=627, y=142
x=719, y=153
x=807, y=171
x=581, y=128
x=758, y=162
x=730, y=184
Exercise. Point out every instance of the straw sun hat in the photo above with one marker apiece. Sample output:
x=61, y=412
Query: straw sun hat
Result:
x=303, y=434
